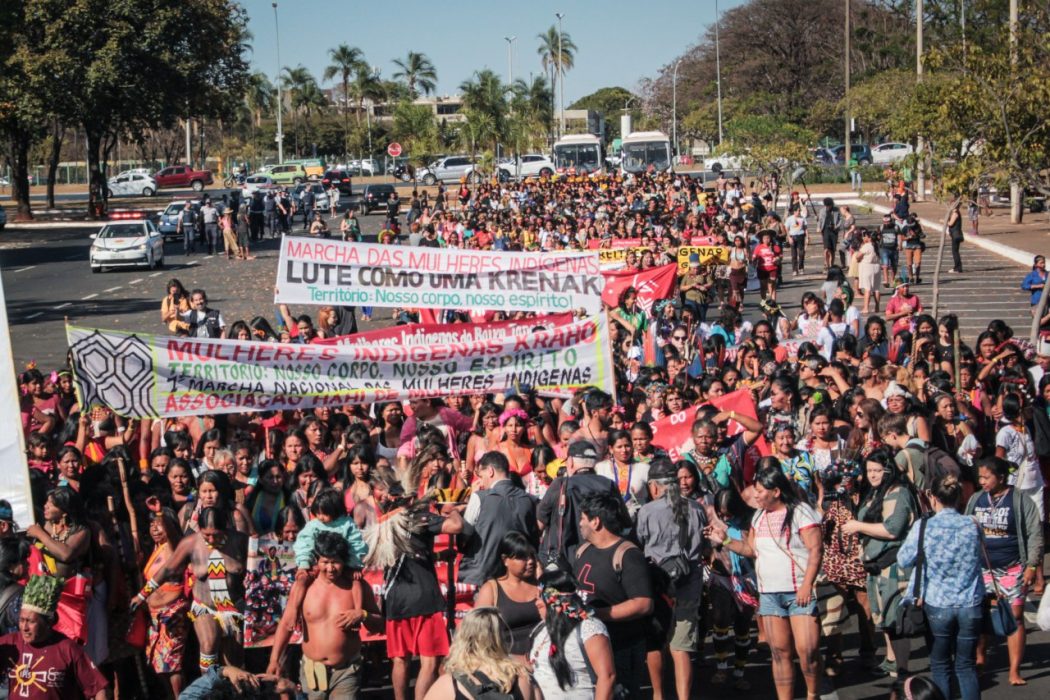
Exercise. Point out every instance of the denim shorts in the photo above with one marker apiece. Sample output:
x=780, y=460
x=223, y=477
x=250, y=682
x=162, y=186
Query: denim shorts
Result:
x=784, y=605
x=888, y=257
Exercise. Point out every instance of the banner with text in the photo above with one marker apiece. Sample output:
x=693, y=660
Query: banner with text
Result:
x=652, y=284
x=435, y=333
x=674, y=433
x=709, y=255
x=15, y=489
x=143, y=375
x=340, y=273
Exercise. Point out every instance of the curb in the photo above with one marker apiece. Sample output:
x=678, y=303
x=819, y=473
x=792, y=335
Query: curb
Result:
x=1017, y=255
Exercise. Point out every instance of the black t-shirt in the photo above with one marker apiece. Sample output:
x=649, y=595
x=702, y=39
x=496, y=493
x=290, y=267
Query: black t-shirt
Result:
x=412, y=585
x=602, y=587
x=561, y=532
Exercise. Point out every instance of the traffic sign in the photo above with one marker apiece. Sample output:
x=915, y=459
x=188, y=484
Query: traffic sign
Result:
x=393, y=150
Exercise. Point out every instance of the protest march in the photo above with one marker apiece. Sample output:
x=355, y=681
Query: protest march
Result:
x=582, y=452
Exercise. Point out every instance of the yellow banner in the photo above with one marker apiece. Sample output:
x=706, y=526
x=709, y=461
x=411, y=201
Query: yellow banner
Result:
x=709, y=255
x=617, y=254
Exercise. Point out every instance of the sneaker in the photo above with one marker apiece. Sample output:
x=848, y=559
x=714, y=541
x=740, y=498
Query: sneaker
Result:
x=886, y=668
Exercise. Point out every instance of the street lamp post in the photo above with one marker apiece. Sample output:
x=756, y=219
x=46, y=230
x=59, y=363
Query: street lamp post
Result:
x=510, y=58
x=674, y=107
x=848, y=140
x=280, y=101
x=718, y=73
x=561, y=76
x=368, y=117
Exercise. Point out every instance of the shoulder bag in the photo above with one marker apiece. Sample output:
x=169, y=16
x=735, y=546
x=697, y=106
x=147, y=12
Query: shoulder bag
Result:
x=910, y=620
x=997, y=615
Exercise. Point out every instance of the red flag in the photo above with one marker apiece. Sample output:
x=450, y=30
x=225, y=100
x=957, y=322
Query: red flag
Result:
x=652, y=284
x=674, y=433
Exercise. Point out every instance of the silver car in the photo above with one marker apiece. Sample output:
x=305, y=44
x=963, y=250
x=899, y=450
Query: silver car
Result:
x=127, y=243
x=448, y=169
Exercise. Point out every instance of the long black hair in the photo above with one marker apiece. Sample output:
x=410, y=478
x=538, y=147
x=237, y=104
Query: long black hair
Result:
x=560, y=624
x=774, y=478
x=514, y=545
x=892, y=477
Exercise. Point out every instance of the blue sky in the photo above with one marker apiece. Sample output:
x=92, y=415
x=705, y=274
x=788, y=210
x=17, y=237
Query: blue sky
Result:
x=618, y=41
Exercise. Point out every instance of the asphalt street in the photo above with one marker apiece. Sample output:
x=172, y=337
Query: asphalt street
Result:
x=47, y=279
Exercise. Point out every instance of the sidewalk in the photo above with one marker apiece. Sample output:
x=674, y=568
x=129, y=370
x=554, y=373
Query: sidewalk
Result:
x=1017, y=242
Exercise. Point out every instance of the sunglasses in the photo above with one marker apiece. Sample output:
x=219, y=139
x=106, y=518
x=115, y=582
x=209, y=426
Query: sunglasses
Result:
x=677, y=337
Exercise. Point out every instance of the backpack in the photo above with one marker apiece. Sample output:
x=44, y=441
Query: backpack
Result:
x=936, y=464
x=485, y=689
x=618, y=554
x=888, y=237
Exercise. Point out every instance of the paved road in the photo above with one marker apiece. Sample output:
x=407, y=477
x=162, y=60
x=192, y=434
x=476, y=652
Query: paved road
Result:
x=47, y=278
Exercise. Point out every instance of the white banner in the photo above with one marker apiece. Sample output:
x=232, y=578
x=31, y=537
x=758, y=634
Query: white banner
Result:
x=142, y=375
x=14, y=487
x=339, y=273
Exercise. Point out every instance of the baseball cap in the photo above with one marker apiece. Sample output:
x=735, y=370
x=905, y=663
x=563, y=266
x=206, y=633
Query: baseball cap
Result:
x=583, y=449
x=662, y=470
x=694, y=259
x=7, y=514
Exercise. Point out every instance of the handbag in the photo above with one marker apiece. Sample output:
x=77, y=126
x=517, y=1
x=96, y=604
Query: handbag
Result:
x=910, y=620
x=997, y=615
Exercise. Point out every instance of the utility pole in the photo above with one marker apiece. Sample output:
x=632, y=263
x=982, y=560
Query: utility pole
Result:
x=920, y=145
x=847, y=140
x=561, y=76
x=962, y=28
x=510, y=59
x=280, y=101
x=189, y=143
x=718, y=73
x=674, y=107
x=1016, y=193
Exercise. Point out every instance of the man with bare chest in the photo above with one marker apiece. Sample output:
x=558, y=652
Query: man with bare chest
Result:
x=332, y=607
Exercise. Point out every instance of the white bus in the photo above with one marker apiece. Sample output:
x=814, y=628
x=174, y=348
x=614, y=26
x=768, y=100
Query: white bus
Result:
x=642, y=149
x=580, y=151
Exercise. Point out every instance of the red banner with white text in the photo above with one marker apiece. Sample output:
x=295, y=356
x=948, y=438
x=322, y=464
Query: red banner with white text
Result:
x=652, y=284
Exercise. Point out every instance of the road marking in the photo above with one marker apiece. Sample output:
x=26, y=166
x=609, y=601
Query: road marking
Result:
x=25, y=268
x=30, y=317
x=157, y=274
x=135, y=281
x=111, y=289
x=89, y=296
x=62, y=306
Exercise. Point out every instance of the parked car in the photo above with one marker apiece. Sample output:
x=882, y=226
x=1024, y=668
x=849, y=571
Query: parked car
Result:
x=822, y=156
x=375, y=197
x=182, y=176
x=860, y=151
x=320, y=196
x=448, y=169
x=127, y=243
x=890, y=152
x=532, y=165
x=3, y=217
x=168, y=223
x=132, y=184
x=717, y=164
x=339, y=178
x=258, y=181
x=365, y=166
x=288, y=174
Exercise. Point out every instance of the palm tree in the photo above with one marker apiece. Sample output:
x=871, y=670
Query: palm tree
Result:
x=345, y=60
x=531, y=111
x=557, y=54
x=417, y=71
x=365, y=85
x=478, y=126
x=259, y=96
x=297, y=81
x=485, y=94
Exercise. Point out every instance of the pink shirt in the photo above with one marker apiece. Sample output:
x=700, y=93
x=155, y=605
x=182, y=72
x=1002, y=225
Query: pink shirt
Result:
x=896, y=304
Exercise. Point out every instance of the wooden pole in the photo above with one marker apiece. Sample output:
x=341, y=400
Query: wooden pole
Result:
x=132, y=518
x=958, y=361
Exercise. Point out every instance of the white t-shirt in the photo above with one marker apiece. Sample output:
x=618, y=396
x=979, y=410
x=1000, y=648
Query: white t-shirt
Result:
x=781, y=558
x=543, y=673
x=1021, y=451
x=796, y=225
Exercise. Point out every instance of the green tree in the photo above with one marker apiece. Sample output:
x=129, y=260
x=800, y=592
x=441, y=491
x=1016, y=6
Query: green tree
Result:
x=415, y=128
x=609, y=102
x=484, y=94
x=345, y=60
x=767, y=145
x=123, y=67
x=556, y=56
x=417, y=72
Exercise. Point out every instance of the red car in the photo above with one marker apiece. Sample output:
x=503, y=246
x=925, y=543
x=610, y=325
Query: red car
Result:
x=183, y=176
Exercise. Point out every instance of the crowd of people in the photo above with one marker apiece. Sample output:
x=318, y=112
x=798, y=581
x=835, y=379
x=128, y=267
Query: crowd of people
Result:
x=839, y=465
